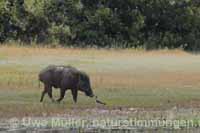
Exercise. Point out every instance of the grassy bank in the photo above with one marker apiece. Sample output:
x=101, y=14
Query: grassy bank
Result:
x=121, y=78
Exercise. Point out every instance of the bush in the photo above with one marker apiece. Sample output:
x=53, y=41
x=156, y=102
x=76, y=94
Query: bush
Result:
x=60, y=34
x=152, y=24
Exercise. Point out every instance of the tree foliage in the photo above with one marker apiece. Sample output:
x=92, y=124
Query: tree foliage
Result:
x=151, y=24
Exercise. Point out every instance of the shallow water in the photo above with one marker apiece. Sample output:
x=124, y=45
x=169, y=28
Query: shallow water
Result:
x=197, y=130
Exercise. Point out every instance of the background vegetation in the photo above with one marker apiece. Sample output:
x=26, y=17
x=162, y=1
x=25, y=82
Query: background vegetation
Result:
x=149, y=24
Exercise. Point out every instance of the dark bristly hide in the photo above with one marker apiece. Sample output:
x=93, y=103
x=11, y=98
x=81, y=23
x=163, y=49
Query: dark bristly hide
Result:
x=65, y=78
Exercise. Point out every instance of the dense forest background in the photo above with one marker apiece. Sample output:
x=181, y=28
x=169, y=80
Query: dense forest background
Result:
x=150, y=24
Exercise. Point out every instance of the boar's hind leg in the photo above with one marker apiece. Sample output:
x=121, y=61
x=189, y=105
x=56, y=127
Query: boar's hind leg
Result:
x=62, y=95
x=42, y=97
x=74, y=94
x=47, y=89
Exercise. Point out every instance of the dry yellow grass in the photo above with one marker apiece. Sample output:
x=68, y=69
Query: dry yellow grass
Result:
x=24, y=51
x=129, y=75
x=126, y=78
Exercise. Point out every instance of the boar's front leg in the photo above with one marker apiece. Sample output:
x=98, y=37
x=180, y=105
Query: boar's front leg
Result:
x=74, y=94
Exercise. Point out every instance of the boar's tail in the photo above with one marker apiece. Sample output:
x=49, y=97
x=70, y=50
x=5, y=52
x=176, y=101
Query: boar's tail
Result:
x=39, y=80
x=39, y=84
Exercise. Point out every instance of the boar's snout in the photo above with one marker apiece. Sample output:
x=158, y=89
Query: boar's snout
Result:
x=89, y=93
x=92, y=95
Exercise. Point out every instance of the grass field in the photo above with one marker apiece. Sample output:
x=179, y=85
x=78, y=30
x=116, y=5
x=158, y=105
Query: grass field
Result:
x=122, y=78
